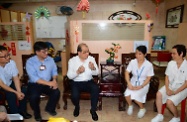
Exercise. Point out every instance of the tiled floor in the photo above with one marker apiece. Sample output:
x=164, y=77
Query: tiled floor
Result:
x=109, y=113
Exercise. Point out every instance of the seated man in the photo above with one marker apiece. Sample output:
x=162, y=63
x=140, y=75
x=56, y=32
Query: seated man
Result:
x=42, y=72
x=175, y=88
x=80, y=70
x=10, y=83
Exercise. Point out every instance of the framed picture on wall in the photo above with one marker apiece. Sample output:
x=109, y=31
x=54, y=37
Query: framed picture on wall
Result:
x=174, y=16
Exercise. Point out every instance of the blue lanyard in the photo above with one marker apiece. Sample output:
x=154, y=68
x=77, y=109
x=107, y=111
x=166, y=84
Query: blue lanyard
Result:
x=139, y=74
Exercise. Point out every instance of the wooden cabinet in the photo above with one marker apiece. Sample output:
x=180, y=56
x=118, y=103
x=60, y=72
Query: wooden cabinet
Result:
x=110, y=83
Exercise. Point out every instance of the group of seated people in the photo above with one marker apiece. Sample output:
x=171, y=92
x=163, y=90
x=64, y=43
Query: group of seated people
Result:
x=42, y=72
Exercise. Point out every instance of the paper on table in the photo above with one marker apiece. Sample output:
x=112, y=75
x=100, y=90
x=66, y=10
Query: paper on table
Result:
x=15, y=117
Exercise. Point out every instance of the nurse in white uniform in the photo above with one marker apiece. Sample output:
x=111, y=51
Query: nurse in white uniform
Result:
x=138, y=86
x=175, y=89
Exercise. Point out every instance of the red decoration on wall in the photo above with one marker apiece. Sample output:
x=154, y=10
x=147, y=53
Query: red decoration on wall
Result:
x=5, y=45
x=147, y=16
x=27, y=33
x=13, y=47
x=76, y=34
x=67, y=36
x=83, y=6
x=4, y=33
x=157, y=2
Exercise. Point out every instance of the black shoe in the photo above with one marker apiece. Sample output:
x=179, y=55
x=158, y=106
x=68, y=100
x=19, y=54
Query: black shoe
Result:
x=76, y=112
x=38, y=118
x=52, y=113
x=94, y=115
x=25, y=115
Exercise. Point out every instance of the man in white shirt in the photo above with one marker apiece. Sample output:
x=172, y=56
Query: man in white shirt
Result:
x=80, y=71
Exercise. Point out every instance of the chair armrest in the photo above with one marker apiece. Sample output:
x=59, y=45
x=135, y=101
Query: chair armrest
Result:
x=96, y=78
x=154, y=84
x=66, y=83
x=24, y=79
x=2, y=97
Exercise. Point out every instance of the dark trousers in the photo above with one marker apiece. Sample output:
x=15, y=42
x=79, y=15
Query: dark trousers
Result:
x=34, y=92
x=91, y=87
x=15, y=105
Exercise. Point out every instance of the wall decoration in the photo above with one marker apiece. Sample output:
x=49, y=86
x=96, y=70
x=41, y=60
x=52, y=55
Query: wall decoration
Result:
x=125, y=15
x=42, y=12
x=53, y=27
x=83, y=6
x=12, y=32
x=157, y=2
x=147, y=15
x=67, y=36
x=13, y=47
x=77, y=32
x=159, y=43
x=5, y=45
x=66, y=10
x=4, y=32
x=27, y=33
x=28, y=17
x=24, y=45
x=150, y=27
x=174, y=16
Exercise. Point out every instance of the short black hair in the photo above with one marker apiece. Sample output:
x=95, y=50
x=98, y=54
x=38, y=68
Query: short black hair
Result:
x=142, y=49
x=40, y=46
x=79, y=48
x=2, y=48
x=180, y=49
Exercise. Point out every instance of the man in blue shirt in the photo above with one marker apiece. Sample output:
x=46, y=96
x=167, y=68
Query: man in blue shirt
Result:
x=10, y=83
x=42, y=72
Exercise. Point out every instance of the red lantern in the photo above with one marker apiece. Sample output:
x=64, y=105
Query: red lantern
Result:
x=83, y=6
x=157, y=2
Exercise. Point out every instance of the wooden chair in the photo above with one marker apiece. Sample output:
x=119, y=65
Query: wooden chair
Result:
x=162, y=59
x=183, y=112
x=3, y=99
x=67, y=83
x=154, y=82
x=24, y=78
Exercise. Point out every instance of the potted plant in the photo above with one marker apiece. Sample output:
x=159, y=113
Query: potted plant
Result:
x=112, y=51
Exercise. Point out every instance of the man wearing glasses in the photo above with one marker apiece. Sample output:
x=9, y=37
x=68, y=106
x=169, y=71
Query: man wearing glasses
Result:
x=80, y=70
x=10, y=83
x=42, y=72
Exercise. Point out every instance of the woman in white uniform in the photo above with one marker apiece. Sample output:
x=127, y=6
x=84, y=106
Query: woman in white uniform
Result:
x=175, y=89
x=138, y=86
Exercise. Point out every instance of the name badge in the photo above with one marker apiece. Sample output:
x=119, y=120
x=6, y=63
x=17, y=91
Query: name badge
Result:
x=42, y=67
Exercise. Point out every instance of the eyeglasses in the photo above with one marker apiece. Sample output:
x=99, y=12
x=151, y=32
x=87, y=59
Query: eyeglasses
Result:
x=44, y=51
x=84, y=52
x=5, y=56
